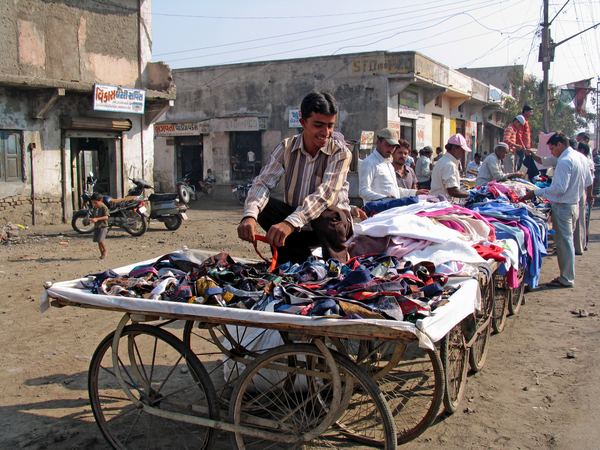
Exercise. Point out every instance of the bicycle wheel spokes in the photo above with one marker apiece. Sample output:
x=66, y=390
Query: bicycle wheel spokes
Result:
x=160, y=373
x=288, y=392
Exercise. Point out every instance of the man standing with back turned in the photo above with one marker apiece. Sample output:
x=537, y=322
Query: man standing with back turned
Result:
x=571, y=178
x=315, y=210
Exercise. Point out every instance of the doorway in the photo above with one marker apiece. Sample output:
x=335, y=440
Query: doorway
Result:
x=190, y=158
x=246, y=155
x=437, y=132
x=100, y=156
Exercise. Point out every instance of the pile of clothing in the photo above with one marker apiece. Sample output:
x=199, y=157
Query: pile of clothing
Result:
x=370, y=286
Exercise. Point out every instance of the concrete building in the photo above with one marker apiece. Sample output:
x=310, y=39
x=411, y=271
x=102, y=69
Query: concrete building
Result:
x=77, y=93
x=223, y=113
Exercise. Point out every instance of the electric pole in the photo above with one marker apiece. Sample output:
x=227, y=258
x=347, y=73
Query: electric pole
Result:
x=545, y=60
x=547, y=56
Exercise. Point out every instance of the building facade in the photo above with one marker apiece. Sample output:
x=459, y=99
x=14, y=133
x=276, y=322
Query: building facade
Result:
x=78, y=93
x=229, y=118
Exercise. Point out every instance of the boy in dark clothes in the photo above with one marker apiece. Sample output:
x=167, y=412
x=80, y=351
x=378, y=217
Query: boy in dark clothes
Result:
x=99, y=218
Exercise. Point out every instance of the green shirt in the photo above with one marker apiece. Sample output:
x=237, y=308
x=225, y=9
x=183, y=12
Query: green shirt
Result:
x=100, y=211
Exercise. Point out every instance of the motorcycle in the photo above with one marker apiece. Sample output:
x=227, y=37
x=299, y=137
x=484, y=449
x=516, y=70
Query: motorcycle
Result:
x=163, y=207
x=241, y=191
x=186, y=190
x=129, y=213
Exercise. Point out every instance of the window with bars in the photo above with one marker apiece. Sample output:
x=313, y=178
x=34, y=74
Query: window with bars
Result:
x=10, y=156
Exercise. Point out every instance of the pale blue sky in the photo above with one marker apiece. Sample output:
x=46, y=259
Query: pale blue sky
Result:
x=458, y=33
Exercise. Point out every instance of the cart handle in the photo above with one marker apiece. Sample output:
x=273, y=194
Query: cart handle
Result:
x=273, y=262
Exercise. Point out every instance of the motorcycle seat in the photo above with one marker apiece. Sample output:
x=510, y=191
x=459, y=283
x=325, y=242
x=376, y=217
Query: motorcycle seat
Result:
x=162, y=197
x=119, y=202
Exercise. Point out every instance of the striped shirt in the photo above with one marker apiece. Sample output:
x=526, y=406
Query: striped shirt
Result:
x=311, y=184
x=510, y=137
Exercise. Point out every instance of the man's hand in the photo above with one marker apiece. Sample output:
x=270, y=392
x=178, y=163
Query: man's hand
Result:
x=247, y=229
x=529, y=195
x=93, y=220
x=423, y=192
x=590, y=200
x=517, y=175
x=278, y=233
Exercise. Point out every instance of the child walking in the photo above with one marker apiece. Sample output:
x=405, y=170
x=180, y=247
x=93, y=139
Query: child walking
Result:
x=100, y=220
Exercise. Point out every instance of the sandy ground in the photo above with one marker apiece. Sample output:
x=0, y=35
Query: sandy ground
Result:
x=529, y=394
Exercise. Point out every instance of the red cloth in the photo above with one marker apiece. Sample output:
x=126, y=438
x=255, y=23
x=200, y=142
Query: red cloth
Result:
x=491, y=252
x=524, y=135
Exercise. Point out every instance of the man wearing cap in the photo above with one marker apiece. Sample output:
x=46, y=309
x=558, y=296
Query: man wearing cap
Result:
x=572, y=178
x=491, y=168
x=510, y=138
x=376, y=174
x=445, y=178
x=423, y=168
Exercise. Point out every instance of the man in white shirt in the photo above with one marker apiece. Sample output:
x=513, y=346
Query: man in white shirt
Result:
x=377, y=176
x=491, y=168
x=571, y=179
x=423, y=168
x=474, y=166
x=445, y=177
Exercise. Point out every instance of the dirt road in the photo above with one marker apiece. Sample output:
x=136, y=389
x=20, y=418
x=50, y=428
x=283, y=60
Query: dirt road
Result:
x=529, y=395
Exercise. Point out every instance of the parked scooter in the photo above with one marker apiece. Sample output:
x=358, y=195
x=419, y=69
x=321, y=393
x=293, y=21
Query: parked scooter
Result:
x=186, y=190
x=241, y=191
x=163, y=207
x=127, y=213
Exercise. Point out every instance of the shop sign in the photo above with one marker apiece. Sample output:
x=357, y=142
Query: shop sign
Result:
x=176, y=129
x=119, y=99
x=204, y=127
x=294, y=119
x=406, y=111
x=234, y=124
x=366, y=139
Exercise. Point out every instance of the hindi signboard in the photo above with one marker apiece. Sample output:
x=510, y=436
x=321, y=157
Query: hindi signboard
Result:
x=176, y=129
x=119, y=99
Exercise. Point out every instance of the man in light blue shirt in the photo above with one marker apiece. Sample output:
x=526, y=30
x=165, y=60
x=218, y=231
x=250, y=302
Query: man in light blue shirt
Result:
x=377, y=176
x=571, y=179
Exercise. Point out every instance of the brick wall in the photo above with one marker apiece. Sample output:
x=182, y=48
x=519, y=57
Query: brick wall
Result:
x=18, y=209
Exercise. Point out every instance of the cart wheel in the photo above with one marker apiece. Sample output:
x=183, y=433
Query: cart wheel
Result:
x=455, y=359
x=286, y=392
x=161, y=373
x=411, y=379
x=482, y=325
x=414, y=390
x=232, y=354
x=516, y=294
x=374, y=357
x=501, y=301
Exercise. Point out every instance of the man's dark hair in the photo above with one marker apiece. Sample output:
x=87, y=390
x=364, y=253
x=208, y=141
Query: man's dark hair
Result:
x=584, y=136
x=526, y=108
x=572, y=143
x=477, y=155
x=97, y=196
x=557, y=138
x=318, y=103
x=438, y=149
x=404, y=143
x=414, y=152
x=583, y=148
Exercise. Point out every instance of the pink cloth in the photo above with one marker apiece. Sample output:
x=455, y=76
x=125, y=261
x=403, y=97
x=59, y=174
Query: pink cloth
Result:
x=399, y=246
x=454, y=225
x=459, y=209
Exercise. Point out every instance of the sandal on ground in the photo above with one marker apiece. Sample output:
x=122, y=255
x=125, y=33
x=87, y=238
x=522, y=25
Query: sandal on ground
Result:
x=556, y=283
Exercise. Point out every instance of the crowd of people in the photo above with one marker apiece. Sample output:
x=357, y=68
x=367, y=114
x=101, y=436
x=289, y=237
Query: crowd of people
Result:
x=316, y=210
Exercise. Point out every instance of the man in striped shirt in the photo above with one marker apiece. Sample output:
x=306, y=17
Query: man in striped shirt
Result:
x=510, y=137
x=315, y=210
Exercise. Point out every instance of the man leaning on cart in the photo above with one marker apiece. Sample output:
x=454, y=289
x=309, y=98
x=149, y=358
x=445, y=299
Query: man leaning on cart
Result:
x=315, y=210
